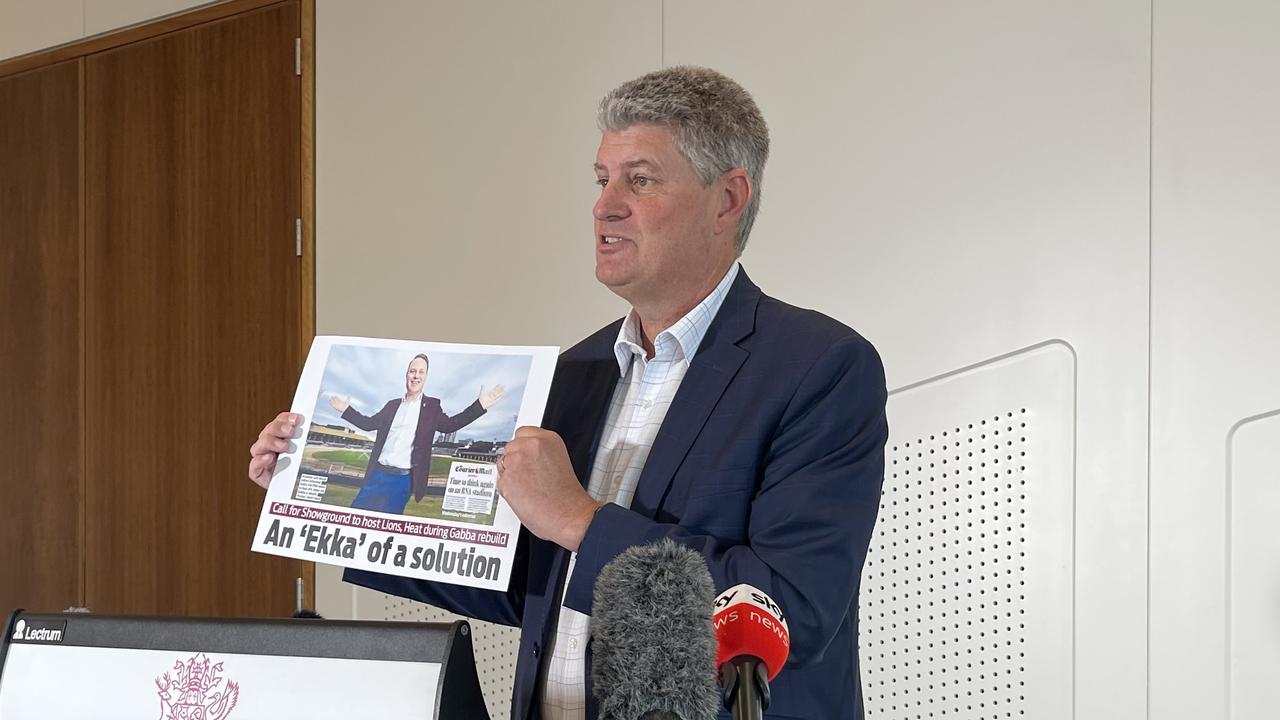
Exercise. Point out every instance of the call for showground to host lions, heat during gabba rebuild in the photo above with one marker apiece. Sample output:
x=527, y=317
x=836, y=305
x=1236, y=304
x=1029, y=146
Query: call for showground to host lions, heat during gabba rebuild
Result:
x=393, y=465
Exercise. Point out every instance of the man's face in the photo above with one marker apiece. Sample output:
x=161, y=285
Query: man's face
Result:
x=415, y=376
x=654, y=220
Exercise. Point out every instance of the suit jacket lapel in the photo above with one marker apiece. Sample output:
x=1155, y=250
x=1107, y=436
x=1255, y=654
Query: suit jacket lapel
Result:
x=602, y=378
x=580, y=401
x=713, y=368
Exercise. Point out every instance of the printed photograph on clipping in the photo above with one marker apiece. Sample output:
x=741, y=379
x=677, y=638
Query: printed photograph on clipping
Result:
x=394, y=468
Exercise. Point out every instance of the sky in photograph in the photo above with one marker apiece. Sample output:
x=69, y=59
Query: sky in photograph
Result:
x=372, y=376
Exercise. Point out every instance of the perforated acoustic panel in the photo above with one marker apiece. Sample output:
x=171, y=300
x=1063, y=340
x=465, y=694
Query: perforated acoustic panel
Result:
x=495, y=645
x=965, y=608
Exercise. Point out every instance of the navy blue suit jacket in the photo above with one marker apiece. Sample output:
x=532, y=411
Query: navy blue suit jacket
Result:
x=769, y=464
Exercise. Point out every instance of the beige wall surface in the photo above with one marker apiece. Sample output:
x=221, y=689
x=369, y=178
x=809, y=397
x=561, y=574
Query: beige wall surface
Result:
x=30, y=25
x=454, y=151
x=103, y=15
x=27, y=26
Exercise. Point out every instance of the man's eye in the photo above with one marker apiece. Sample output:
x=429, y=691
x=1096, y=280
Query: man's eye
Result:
x=641, y=181
x=602, y=181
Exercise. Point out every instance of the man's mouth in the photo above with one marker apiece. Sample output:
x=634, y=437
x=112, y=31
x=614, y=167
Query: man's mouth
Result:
x=611, y=239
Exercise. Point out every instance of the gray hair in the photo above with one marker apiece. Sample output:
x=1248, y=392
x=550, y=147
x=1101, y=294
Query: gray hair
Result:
x=716, y=124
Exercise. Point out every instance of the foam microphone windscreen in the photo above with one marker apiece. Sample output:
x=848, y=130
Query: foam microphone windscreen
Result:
x=749, y=623
x=654, y=648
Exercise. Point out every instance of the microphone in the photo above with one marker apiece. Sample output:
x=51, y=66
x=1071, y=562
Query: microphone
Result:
x=753, y=643
x=654, y=652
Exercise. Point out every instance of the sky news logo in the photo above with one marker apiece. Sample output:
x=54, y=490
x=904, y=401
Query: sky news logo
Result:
x=39, y=632
x=753, y=597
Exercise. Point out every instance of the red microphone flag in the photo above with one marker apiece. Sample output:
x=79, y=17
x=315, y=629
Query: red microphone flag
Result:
x=748, y=622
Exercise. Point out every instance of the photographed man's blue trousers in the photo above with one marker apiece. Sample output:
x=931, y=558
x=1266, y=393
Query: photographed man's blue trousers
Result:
x=383, y=492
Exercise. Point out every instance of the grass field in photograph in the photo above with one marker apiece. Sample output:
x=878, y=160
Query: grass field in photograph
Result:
x=360, y=458
x=429, y=507
x=346, y=457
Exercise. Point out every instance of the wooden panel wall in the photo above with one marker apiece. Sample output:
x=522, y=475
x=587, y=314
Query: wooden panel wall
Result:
x=40, y=305
x=192, y=170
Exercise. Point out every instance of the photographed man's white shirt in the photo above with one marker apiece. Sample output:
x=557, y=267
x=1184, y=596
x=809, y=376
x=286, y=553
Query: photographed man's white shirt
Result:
x=639, y=405
x=397, y=451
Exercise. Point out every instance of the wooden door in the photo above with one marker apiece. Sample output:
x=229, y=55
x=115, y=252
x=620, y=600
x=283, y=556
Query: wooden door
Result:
x=192, y=311
x=40, y=373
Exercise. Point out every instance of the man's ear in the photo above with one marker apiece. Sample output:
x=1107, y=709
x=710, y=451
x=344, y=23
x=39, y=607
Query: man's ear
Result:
x=735, y=194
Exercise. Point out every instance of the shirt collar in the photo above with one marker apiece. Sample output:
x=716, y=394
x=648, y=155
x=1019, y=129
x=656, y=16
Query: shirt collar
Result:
x=682, y=338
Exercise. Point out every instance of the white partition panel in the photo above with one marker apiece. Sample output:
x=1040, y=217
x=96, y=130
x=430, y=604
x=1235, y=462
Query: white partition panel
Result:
x=1253, y=584
x=966, y=606
x=1215, y=354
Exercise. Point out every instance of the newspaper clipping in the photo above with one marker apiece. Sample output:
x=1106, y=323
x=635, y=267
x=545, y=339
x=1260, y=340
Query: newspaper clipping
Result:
x=394, y=467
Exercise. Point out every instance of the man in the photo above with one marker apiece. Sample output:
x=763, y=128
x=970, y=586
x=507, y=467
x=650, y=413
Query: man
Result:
x=747, y=429
x=406, y=428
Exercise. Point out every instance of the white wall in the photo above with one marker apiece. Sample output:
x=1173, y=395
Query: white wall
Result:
x=29, y=25
x=1215, y=357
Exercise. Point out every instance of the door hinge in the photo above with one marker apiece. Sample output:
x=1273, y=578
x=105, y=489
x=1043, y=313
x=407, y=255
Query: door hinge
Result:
x=297, y=57
x=297, y=236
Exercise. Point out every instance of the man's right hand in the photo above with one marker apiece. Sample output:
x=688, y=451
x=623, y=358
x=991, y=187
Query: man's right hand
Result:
x=273, y=440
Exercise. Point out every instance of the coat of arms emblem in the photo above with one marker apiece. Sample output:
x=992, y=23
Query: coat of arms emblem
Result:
x=194, y=694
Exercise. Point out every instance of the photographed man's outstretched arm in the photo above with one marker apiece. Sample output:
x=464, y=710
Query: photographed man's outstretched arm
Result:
x=494, y=394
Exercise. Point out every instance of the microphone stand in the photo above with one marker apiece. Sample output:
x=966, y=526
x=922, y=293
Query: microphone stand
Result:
x=744, y=684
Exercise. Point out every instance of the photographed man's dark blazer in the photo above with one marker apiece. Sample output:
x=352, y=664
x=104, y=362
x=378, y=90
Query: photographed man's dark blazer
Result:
x=431, y=420
x=769, y=464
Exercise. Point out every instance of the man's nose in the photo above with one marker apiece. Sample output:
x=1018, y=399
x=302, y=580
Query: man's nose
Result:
x=610, y=205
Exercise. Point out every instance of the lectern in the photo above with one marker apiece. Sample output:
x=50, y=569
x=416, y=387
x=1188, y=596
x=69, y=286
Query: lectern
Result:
x=78, y=665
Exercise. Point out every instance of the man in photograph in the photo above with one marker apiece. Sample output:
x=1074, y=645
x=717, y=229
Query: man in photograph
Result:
x=400, y=461
x=739, y=426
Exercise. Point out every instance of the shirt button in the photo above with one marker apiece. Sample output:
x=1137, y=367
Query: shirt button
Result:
x=573, y=643
x=647, y=404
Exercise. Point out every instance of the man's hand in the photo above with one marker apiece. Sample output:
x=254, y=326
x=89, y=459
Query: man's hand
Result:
x=536, y=478
x=273, y=440
x=340, y=404
x=487, y=399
